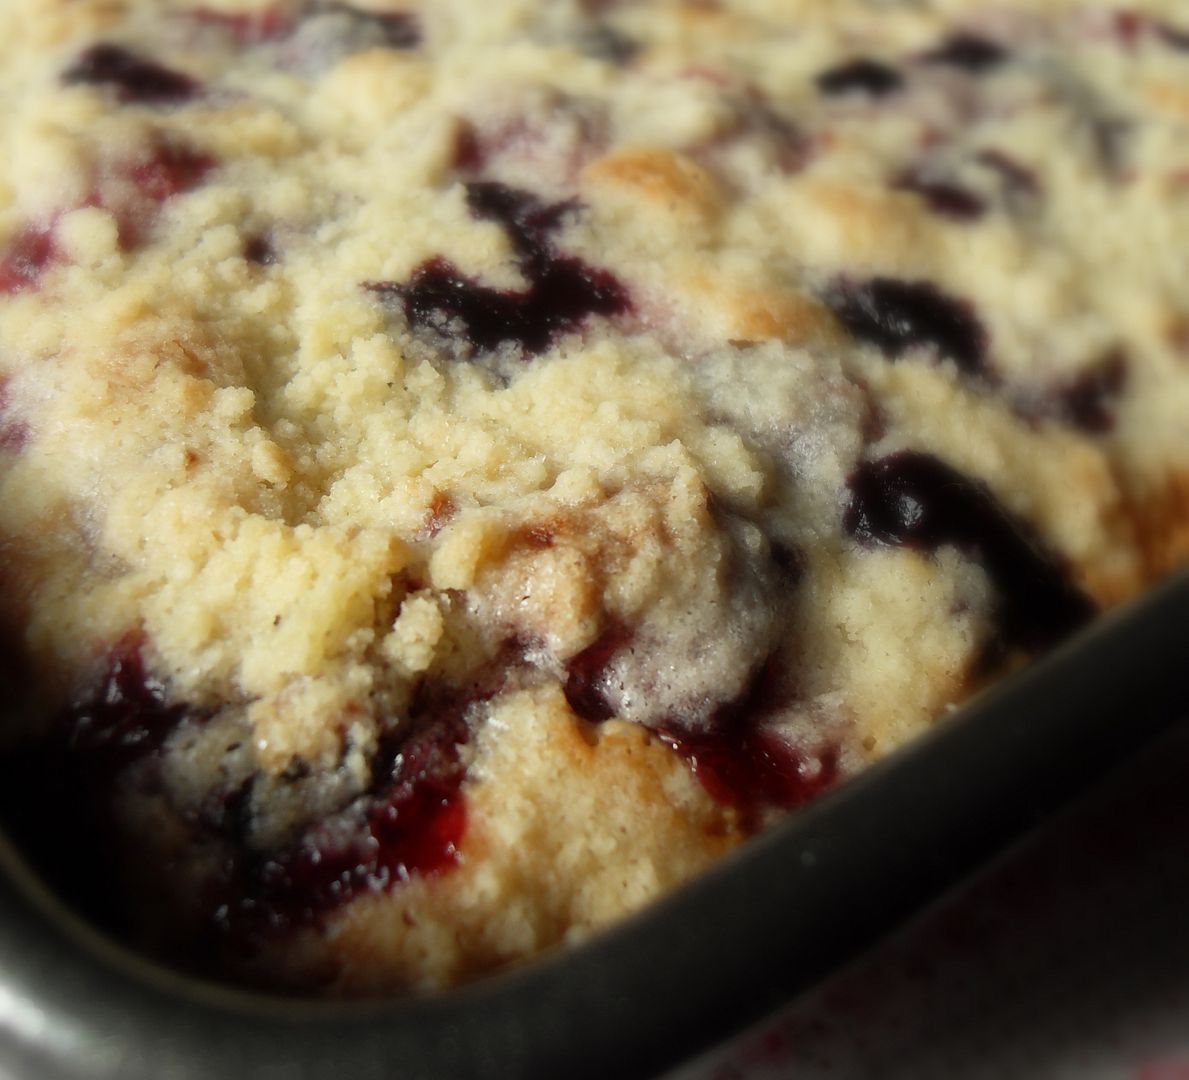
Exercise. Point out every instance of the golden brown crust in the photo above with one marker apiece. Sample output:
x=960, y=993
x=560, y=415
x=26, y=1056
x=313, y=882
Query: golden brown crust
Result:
x=669, y=184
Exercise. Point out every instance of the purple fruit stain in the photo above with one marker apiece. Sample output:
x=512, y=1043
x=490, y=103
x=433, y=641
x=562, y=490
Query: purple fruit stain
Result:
x=738, y=761
x=58, y=798
x=165, y=170
x=746, y=765
x=258, y=249
x=29, y=253
x=126, y=718
x=914, y=500
x=1088, y=400
x=563, y=291
x=135, y=79
x=863, y=76
x=170, y=169
x=968, y=52
x=896, y=316
x=411, y=822
x=942, y=197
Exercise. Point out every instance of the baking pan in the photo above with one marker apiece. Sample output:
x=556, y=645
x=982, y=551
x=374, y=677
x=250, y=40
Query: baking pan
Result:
x=765, y=923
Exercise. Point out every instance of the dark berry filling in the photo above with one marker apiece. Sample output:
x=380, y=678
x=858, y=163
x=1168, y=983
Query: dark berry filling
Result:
x=740, y=762
x=29, y=253
x=862, y=76
x=59, y=798
x=942, y=197
x=914, y=500
x=563, y=291
x=1088, y=401
x=1173, y=36
x=258, y=249
x=469, y=153
x=170, y=169
x=411, y=822
x=745, y=765
x=135, y=79
x=1018, y=180
x=969, y=53
x=789, y=562
x=126, y=719
x=1128, y=27
x=753, y=770
x=586, y=675
x=166, y=169
x=897, y=316
x=57, y=795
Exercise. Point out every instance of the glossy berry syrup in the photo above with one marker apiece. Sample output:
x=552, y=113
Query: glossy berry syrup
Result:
x=743, y=763
x=562, y=292
x=410, y=822
x=135, y=79
x=740, y=762
x=586, y=676
x=753, y=770
x=896, y=316
x=125, y=719
x=914, y=500
x=60, y=796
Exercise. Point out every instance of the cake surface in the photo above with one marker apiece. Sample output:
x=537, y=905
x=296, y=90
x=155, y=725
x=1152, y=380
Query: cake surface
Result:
x=466, y=466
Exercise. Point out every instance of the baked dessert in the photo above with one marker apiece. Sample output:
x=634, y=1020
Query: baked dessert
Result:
x=465, y=466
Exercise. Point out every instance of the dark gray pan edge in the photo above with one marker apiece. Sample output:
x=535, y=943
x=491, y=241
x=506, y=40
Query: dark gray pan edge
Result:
x=767, y=922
